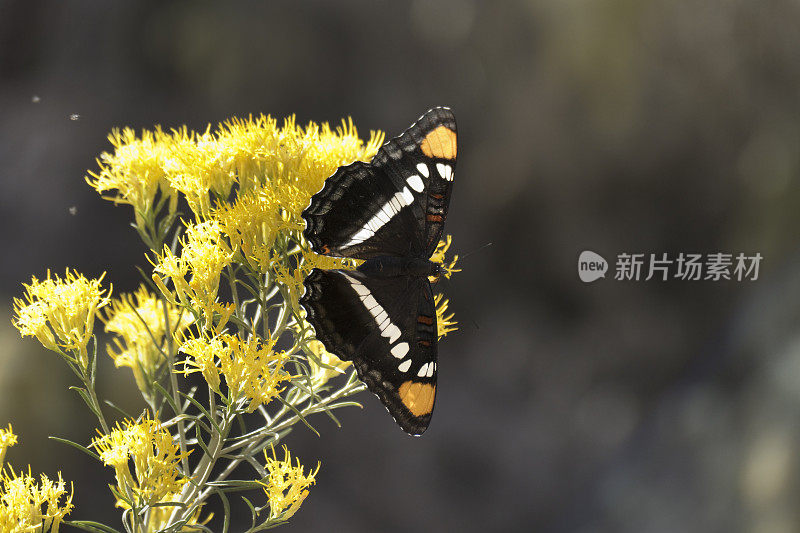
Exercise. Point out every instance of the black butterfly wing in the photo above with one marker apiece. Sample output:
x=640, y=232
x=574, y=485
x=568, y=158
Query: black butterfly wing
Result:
x=394, y=205
x=387, y=327
x=424, y=158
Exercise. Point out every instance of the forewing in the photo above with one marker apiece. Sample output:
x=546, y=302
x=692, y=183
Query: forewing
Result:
x=424, y=159
x=387, y=327
x=360, y=213
x=394, y=205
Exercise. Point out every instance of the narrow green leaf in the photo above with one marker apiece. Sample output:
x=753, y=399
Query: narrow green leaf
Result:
x=93, y=527
x=167, y=397
x=299, y=415
x=80, y=447
x=118, y=409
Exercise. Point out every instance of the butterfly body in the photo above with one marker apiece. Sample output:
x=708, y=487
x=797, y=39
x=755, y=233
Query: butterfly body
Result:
x=387, y=266
x=389, y=212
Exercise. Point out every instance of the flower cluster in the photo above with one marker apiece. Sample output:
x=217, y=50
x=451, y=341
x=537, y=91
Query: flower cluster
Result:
x=60, y=312
x=286, y=485
x=137, y=169
x=149, y=447
x=7, y=440
x=26, y=505
x=253, y=371
x=284, y=165
x=195, y=273
x=143, y=326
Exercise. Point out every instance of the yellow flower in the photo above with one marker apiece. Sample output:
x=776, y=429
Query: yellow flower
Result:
x=195, y=274
x=136, y=170
x=445, y=322
x=203, y=354
x=141, y=342
x=26, y=506
x=155, y=458
x=439, y=257
x=200, y=170
x=251, y=225
x=261, y=154
x=286, y=486
x=206, y=254
x=253, y=371
x=31, y=320
x=60, y=312
x=168, y=266
x=292, y=280
x=7, y=440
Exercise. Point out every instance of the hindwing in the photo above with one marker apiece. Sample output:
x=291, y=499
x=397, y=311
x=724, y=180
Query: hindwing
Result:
x=387, y=328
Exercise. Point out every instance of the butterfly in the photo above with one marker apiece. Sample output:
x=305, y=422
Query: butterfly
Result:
x=391, y=213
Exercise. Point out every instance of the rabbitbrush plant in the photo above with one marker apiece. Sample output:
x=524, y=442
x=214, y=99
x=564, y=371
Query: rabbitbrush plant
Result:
x=219, y=215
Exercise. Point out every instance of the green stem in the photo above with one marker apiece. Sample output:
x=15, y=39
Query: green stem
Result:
x=234, y=292
x=191, y=491
x=173, y=381
x=259, y=443
x=95, y=403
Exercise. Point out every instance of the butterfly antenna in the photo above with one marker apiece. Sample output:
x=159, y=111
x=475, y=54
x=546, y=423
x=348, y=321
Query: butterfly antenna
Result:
x=474, y=251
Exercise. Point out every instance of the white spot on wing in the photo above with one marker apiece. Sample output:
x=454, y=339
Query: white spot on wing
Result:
x=388, y=210
x=431, y=370
x=383, y=217
x=400, y=350
x=416, y=182
x=363, y=233
x=423, y=370
x=408, y=198
x=404, y=366
x=360, y=289
x=423, y=169
x=445, y=171
x=372, y=305
x=392, y=332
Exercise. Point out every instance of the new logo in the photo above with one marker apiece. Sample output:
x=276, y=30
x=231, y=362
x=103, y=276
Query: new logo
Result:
x=591, y=266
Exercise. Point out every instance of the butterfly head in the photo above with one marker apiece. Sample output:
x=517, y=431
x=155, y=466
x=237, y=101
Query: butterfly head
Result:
x=436, y=272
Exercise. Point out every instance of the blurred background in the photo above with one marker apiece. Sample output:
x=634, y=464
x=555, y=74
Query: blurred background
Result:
x=653, y=126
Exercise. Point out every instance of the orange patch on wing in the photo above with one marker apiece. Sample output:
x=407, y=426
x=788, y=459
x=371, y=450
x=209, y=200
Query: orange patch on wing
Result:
x=422, y=319
x=434, y=218
x=325, y=249
x=440, y=142
x=417, y=397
